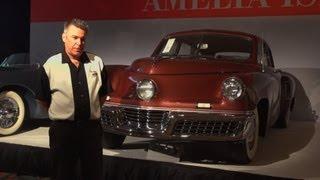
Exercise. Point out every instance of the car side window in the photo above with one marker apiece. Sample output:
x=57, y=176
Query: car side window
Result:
x=185, y=49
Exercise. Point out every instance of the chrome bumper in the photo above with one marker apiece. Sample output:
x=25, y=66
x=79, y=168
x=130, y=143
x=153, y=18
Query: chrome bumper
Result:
x=176, y=124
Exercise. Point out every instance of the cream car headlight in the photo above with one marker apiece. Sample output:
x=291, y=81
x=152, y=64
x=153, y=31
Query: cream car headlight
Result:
x=145, y=89
x=232, y=88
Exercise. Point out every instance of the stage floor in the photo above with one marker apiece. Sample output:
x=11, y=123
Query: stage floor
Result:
x=291, y=152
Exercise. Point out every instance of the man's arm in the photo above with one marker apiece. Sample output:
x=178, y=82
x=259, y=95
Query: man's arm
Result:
x=43, y=87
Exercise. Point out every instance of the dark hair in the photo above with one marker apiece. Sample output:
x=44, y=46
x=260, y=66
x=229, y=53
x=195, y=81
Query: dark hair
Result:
x=79, y=23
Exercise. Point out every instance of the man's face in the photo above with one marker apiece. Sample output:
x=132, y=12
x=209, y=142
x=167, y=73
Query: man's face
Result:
x=74, y=39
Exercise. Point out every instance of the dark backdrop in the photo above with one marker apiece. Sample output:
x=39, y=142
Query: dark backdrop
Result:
x=15, y=27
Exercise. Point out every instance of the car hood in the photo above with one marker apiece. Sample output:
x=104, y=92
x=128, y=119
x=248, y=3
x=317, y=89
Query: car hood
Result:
x=189, y=66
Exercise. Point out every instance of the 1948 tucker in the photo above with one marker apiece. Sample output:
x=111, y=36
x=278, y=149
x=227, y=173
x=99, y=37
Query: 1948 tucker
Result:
x=202, y=85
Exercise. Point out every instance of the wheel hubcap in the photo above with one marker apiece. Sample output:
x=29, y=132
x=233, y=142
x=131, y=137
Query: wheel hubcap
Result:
x=251, y=135
x=9, y=112
x=251, y=141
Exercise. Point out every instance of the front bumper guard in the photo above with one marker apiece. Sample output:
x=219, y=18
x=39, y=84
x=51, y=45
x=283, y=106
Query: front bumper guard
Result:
x=177, y=124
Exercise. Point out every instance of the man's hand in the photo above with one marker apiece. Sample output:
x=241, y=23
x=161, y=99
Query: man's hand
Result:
x=103, y=99
x=44, y=103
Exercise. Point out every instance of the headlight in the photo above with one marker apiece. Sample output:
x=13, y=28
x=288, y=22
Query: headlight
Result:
x=145, y=89
x=232, y=88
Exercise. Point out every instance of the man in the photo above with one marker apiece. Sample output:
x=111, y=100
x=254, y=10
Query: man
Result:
x=73, y=83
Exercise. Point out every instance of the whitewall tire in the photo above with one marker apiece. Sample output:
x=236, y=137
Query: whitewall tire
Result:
x=12, y=112
x=247, y=148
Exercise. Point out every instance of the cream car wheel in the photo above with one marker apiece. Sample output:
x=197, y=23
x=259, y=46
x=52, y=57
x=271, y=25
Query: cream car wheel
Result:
x=245, y=150
x=12, y=112
x=251, y=142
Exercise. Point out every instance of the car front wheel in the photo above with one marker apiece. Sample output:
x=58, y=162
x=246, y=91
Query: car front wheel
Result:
x=112, y=141
x=246, y=149
x=12, y=112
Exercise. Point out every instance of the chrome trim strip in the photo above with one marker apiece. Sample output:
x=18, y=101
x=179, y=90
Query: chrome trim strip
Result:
x=206, y=111
x=164, y=136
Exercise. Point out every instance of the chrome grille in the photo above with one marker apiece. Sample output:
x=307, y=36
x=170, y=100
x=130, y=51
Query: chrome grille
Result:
x=145, y=116
x=209, y=127
x=107, y=118
x=136, y=118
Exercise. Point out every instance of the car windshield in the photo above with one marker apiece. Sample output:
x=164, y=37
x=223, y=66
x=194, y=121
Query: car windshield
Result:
x=211, y=46
x=15, y=59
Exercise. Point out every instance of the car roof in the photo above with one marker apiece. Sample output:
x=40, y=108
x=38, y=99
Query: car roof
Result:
x=203, y=31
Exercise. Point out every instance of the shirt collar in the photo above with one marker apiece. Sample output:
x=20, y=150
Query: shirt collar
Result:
x=65, y=58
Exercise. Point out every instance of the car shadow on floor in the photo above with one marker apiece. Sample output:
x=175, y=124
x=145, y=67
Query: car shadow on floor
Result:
x=279, y=145
x=34, y=124
x=141, y=144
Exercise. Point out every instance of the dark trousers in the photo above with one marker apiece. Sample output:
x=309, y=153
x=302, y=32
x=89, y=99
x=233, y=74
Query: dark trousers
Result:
x=73, y=142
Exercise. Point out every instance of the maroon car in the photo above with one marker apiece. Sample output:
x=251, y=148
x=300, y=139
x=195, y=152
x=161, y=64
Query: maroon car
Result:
x=202, y=85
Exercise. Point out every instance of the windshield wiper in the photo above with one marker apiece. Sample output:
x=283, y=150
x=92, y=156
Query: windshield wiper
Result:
x=162, y=56
x=186, y=56
x=206, y=56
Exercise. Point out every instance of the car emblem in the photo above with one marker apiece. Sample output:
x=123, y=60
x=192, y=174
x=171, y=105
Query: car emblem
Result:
x=203, y=105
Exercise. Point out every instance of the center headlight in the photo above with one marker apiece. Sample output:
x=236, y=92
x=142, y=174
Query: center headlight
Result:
x=145, y=89
x=232, y=88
